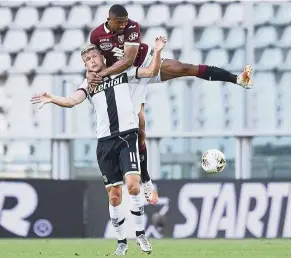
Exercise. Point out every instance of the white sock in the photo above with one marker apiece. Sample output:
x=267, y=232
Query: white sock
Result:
x=118, y=220
x=137, y=210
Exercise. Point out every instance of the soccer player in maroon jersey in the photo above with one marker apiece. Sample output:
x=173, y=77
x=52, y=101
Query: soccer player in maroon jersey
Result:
x=119, y=41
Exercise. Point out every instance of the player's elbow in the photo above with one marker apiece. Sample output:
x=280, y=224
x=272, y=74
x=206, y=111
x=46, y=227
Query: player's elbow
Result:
x=153, y=72
x=129, y=62
x=71, y=102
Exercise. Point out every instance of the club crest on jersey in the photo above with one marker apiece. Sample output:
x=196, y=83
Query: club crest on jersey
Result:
x=133, y=36
x=122, y=78
x=121, y=38
x=106, y=46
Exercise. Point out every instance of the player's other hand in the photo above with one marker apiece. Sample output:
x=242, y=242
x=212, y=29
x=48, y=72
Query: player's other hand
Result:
x=160, y=43
x=93, y=80
x=42, y=98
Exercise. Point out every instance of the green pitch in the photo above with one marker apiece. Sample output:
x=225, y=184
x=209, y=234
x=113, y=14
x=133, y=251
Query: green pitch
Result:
x=96, y=248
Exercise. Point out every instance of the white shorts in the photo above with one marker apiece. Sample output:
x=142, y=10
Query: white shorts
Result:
x=138, y=87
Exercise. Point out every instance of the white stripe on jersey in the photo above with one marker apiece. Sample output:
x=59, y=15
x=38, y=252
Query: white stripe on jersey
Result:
x=114, y=109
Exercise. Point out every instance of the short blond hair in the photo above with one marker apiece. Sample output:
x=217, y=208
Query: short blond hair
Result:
x=87, y=48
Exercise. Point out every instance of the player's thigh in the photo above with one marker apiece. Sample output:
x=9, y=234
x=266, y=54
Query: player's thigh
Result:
x=171, y=69
x=129, y=154
x=108, y=160
x=141, y=116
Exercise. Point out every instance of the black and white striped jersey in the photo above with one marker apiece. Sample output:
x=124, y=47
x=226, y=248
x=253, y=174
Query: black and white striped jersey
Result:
x=113, y=106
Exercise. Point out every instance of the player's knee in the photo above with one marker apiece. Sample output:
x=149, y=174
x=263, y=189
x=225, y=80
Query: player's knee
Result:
x=115, y=196
x=134, y=188
x=189, y=69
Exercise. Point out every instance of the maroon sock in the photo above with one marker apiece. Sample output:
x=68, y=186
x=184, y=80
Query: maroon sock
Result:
x=213, y=73
x=143, y=163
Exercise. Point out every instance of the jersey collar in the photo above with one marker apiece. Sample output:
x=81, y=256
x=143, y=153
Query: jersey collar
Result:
x=105, y=28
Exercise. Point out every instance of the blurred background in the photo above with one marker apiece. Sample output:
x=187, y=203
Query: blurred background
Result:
x=40, y=44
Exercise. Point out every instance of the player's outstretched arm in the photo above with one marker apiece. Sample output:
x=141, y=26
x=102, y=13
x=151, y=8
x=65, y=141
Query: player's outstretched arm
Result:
x=68, y=102
x=153, y=69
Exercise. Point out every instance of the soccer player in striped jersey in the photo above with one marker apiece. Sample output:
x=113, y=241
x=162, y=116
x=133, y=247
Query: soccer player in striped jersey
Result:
x=117, y=133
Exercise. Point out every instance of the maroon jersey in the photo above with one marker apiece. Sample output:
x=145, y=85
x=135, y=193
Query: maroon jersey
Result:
x=111, y=45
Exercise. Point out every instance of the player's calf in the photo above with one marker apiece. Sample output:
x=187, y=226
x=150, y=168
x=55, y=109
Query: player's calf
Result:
x=117, y=218
x=137, y=211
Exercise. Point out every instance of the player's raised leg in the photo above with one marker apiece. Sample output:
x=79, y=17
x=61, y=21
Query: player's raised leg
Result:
x=171, y=69
x=117, y=218
x=149, y=190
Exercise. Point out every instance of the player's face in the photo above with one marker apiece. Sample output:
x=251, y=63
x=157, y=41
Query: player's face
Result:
x=117, y=24
x=93, y=61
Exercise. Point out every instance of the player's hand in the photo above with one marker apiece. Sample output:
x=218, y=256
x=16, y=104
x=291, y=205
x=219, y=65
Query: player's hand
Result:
x=160, y=43
x=93, y=80
x=42, y=98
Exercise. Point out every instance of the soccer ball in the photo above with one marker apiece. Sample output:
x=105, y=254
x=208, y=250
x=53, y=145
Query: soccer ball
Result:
x=213, y=161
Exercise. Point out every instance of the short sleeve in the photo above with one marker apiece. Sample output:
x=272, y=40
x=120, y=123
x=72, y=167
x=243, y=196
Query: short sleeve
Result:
x=84, y=87
x=133, y=34
x=94, y=38
x=132, y=73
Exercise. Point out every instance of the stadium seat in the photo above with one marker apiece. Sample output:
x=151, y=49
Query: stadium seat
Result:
x=75, y=63
x=216, y=34
x=287, y=61
x=176, y=93
x=264, y=13
x=41, y=40
x=152, y=33
x=159, y=115
x=26, y=18
x=16, y=79
x=44, y=117
x=5, y=63
x=285, y=95
x=234, y=14
x=283, y=16
x=271, y=58
x=212, y=104
x=264, y=92
x=188, y=11
x=40, y=3
x=79, y=17
x=47, y=22
x=157, y=15
x=101, y=15
x=285, y=40
x=25, y=62
x=237, y=61
x=195, y=57
x=209, y=14
x=136, y=12
x=217, y=57
x=53, y=62
x=6, y=18
x=265, y=36
x=177, y=39
x=14, y=41
x=235, y=38
x=16, y=3
x=64, y=3
x=235, y=107
x=67, y=44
